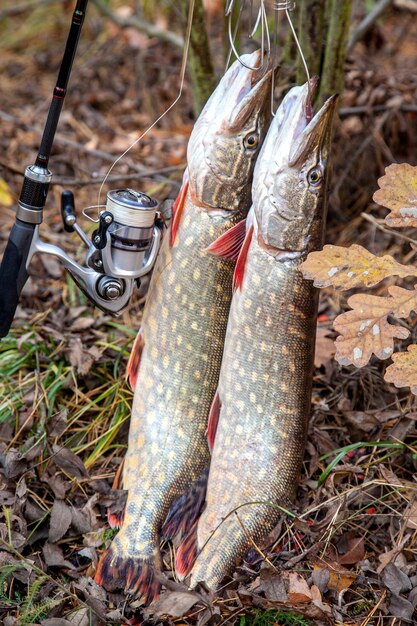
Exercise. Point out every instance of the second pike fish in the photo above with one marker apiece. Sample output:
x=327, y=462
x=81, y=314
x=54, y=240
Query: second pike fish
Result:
x=258, y=422
x=184, y=323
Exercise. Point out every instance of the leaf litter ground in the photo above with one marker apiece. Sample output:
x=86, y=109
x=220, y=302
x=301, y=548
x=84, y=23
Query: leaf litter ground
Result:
x=347, y=552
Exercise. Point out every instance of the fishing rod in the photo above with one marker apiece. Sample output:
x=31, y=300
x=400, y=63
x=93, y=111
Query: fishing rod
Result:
x=124, y=246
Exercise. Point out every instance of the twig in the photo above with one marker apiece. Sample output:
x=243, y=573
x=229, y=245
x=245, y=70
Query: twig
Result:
x=379, y=108
x=386, y=229
x=22, y=8
x=367, y=23
x=139, y=24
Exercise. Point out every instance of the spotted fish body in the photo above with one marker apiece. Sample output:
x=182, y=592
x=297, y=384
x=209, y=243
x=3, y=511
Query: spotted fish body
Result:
x=183, y=328
x=264, y=391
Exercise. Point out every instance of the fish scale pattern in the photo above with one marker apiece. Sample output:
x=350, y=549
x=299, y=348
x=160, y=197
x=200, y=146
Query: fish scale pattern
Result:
x=265, y=396
x=177, y=377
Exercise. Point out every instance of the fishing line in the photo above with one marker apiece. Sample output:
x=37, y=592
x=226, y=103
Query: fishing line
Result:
x=182, y=81
x=288, y=6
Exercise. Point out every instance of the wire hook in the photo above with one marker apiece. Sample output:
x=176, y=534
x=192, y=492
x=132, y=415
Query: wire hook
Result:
x=265, y=38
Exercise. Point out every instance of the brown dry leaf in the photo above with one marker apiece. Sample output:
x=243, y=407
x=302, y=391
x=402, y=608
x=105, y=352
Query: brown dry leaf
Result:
x=298, y=589
x=403, y=371
x=398, y=192
x=340, y=578
x=365, y=330
x=60, y=520
x=69, y=462
x=324, y=351
x=411, y=516
x=351, y=267
x=175, y=603
x=354, y=551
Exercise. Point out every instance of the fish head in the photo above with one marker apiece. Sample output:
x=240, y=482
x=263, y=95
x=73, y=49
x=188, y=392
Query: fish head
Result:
x=291, y=175
x=228, y=135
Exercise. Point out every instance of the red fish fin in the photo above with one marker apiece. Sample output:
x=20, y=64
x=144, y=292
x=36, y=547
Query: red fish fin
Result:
x=186, y=553
x=115, y=517
x=241, y=262
x=177, y=210
x=118, y=477
x=132, y=368
x=213, y=420
x=136, y=577
x=186, y=510
x=229, y=244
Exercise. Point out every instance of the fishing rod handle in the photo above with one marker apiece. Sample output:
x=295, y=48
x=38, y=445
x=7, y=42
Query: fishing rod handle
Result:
x=13, y=274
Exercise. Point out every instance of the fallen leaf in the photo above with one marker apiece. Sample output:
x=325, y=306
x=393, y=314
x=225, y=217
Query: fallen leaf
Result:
x=365, y=329
x=57, y=423
x=69, y=462
x=398, y=192
x=298, y=589
x=401, y=608
x=395, y=580
x=403, y=371
x=411, y=516
x=55, y=621
x=175, y=604
x=324, y=352
x=60, y=520
x=340, y=578
x=272, y=584
x=351, y=267
x=81, y=358
x=354, y=550
x=54, y=557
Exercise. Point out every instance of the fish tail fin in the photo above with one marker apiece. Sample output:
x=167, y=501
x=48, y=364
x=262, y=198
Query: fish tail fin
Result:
x=115, y=517
x=186, y=553
x=186, y=510
x=135, y=576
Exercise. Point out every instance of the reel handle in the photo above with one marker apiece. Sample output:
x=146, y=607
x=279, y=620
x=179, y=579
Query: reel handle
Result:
x=13, y=274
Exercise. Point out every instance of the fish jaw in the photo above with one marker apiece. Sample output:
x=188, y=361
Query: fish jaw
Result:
x=291, y=176
x=228, y=135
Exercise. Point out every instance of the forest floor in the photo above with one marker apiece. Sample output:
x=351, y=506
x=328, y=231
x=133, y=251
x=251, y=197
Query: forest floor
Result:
x=349, y=553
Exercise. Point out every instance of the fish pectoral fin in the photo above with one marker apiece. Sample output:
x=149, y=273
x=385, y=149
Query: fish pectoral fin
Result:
x=213, y=420
x=135, y=576
x=132, y=368
x=186, y=510
x=241, y=262
x=186, y=553
x=228, y=245
x=178, y=209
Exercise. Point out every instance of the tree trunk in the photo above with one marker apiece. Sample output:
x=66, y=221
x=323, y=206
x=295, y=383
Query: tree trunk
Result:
x=332, y=80
x=200, y=63
x=311, y=24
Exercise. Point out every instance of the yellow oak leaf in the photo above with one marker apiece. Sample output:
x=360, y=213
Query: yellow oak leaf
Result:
x=351, y=267
x=398, y=192
x=6, y=196
x=403, y=371
x=365, y=329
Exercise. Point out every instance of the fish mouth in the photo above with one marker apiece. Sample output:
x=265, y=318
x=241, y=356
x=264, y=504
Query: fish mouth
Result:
x=316, y=136
x=294, y=131
x=251, y=89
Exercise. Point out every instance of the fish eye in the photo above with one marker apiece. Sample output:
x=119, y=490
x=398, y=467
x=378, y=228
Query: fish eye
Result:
x=315, y=176
x=251, y=141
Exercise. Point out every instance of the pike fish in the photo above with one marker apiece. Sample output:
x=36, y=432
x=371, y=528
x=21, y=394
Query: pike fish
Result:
x=258, y=420
x=178, y=352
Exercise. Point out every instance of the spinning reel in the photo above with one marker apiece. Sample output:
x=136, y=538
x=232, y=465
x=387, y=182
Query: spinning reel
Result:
x=123, y=247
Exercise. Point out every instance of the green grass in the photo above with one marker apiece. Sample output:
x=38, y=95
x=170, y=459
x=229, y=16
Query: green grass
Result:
x=273, y=618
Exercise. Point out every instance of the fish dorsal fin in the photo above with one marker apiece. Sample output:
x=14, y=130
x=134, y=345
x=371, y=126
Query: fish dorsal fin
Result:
x=228, y=245
x=213, y=420
x=178, y=209
x=132, y=369
x=241, y=261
